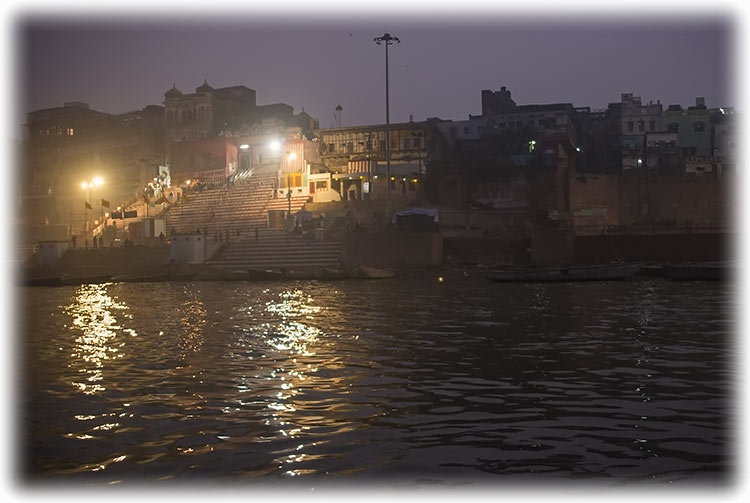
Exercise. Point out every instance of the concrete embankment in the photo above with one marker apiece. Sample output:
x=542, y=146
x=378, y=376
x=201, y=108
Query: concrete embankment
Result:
x=114, y=261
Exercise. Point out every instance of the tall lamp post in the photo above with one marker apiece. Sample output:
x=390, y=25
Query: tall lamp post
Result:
x=87, y=186
x=387, y=40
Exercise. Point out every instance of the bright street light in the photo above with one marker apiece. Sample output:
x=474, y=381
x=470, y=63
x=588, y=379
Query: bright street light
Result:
x=275, y=145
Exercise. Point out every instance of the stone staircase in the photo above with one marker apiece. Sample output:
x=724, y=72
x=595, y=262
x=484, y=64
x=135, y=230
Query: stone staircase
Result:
x=272, y=250
x=241, y=207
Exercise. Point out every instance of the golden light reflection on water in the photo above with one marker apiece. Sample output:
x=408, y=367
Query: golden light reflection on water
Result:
x=292, y=332
x=92, y=313
x=192, y=322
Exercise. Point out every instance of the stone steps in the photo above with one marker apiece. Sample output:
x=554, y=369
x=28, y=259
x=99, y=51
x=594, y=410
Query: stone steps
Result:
x=272, y=250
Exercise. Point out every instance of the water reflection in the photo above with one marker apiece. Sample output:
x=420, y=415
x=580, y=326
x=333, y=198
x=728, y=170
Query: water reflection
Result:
x=92, y=313
x=192, y=322
x=296, y=338
x=573, y=380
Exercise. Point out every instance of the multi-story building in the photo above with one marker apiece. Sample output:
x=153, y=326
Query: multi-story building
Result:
x=73, y=144
x=215, y=134
x=637, y=119
x=662, y=152
x=356, y=156
x=724, y=138
x=206, y=112
x=693, y=128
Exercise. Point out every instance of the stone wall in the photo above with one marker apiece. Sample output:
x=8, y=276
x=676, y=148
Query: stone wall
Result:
x=594, y=200
x=393, y=248
x=639, y=197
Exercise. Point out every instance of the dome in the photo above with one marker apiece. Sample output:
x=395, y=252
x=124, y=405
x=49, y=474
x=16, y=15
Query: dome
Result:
x=204, y=88
x=173, y=93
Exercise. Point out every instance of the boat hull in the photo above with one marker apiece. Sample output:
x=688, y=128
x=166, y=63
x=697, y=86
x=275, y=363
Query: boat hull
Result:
x=567, y=274
x=697, y=272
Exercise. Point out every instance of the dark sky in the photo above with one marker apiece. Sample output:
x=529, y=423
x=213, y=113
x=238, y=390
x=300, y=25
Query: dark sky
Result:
x=438, y=70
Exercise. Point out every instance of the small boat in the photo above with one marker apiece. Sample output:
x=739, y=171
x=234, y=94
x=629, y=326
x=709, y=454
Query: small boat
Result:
x=707, y=271
x=85, y=280
x=141, y=278
x=367, y=272
x=651, y=270
x=45, y=281
x=219, y=274
x=329, y=273
x=154, y=278
x=264, y=275
x=565, y=274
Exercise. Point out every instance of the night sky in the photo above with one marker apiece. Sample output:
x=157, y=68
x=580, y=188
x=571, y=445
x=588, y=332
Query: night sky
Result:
x=438, y=70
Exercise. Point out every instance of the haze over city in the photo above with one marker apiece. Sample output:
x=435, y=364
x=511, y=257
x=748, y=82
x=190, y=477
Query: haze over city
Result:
x=437, y=70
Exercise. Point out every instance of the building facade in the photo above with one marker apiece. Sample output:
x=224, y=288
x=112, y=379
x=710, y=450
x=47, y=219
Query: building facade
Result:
x=73, y=144
x=356, y=157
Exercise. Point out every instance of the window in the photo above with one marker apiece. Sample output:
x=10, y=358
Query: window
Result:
x=70, y=131
x=630, y=126
x=673, y=127
x=417, y=141
x=330, y=148
x=641, y=126
x=349, y=147
x=502, y=125
x=466, y=130
x=406, y=144
x=319, y=185
x=699, y=127
x=651, y=125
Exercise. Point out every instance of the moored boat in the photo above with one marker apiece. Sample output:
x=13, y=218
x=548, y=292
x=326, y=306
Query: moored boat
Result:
x=84, y=280
x=220, y=274
x=155, y=277
x=368, y=272
x=609, y=272
x=707, y=271
x=45, y=281
x=264, y=275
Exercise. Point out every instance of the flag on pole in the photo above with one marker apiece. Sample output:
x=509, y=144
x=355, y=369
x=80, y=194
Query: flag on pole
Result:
x=105, y=203
x=88, y=206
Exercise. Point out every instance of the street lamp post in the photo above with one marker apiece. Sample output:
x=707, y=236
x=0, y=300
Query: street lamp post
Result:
x=387, y=40
x=87, y=186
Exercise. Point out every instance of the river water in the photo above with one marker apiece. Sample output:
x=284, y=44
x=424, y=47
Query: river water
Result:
x=411, y=380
